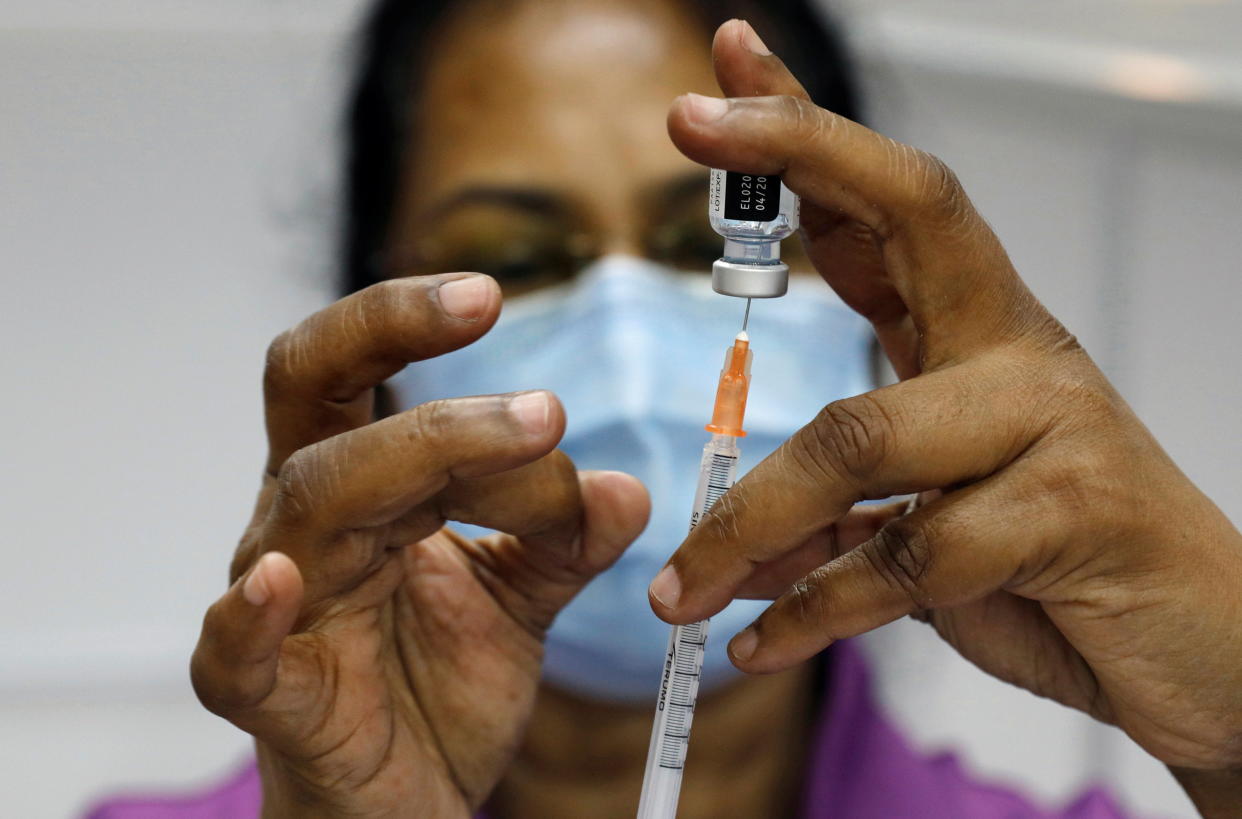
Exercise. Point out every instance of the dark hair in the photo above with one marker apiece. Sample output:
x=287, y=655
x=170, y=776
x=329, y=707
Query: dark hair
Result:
x=395, y=33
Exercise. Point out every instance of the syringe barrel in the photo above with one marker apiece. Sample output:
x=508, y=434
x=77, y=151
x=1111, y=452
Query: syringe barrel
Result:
x=679, y=689
x=717, y=471
x=679, y=684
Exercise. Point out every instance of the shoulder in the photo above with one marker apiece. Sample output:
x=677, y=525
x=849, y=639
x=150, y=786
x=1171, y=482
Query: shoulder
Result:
x=862, y=767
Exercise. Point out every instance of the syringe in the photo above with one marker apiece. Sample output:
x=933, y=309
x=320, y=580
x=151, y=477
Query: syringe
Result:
x=679, y=684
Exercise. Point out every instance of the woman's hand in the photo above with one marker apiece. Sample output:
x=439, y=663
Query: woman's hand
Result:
x=1060, y=548
x=384, y=663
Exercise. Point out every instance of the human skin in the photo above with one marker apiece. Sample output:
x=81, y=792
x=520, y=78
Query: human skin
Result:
x=567, y=130
x=385, y=665
x=1059, y=547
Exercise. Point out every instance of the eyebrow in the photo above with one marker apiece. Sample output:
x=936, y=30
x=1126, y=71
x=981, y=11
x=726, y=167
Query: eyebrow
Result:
x=534, y=200
x=549, y=204
x=687, y=185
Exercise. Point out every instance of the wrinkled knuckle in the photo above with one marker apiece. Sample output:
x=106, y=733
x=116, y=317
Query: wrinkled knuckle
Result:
x=720, y=520
x=790, y=108
x=928, y=188
x=808, y=126
x=904, y=556
x=805, y=117
x=1083, y=490
x=1087, y=393
x=939, y=176
x=851, y=437
x=1074, y=400
x=808, y=602
x=936, y=185
x=277, y=364
x=384, y=299
x=1055, y=345
x=430, y=423
x=297, y=482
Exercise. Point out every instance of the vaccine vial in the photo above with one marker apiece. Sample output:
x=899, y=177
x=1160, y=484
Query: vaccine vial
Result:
x=753, y=213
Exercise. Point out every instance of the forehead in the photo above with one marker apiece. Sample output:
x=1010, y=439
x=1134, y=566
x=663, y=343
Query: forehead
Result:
x=557, y=93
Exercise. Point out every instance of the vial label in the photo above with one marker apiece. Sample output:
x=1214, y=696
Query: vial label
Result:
x=752, y=198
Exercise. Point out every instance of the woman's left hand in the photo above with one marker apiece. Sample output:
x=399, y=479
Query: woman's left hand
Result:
x=1061, y=549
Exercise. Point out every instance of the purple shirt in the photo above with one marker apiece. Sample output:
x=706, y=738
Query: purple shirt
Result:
x=859, y=768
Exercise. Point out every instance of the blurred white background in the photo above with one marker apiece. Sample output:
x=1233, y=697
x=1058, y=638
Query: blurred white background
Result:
x=167, y=176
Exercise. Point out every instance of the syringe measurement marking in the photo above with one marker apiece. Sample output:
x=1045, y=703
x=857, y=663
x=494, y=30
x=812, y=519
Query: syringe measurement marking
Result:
x=683, y=660
x=717, y=485
x=689, y=643
x=682, y=687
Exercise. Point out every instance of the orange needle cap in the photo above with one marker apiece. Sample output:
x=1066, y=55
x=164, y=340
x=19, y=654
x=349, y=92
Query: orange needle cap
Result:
x=732, y=390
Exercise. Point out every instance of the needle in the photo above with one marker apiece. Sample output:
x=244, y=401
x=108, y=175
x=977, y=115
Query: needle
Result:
x=746, y=317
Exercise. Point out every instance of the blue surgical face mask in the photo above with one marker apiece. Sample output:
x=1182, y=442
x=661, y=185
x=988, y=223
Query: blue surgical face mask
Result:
x=633, y=351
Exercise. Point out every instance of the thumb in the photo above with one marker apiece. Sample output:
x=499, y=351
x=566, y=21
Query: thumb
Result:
x=615, y=509
x=234, y=668
x=745, y=67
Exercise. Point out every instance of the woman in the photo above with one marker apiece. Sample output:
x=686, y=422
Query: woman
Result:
x=388, y=665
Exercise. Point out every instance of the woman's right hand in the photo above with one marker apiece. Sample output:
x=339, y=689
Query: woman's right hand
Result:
x=381, y=660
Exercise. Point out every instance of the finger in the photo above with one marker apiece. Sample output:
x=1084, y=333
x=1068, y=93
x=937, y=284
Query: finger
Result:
x=928, y=432
x=746, y=67
x=543, y=505
x=535, y=577
x=319, y=375
x=770, y=580
x=842, y=249
x=340, y=503
x=951, y=552
x=539, y=502
x=950, y=270
x=985, y=632
x=235, y=663
x=615, y=510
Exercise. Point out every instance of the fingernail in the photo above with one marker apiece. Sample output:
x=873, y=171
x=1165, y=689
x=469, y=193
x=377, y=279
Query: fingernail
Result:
x=743, y=645
x=703, y=109
x=751, y=40
x=255, y=588
x=666, y=588
x=532, y=410
x=467, y=298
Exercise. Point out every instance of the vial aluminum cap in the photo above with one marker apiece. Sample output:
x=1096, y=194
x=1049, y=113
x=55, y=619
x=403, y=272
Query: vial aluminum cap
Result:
x=750, y=281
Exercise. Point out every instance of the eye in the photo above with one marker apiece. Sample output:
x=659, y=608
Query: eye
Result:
x=516, y=264
x=686, y=242
x=520, y=252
